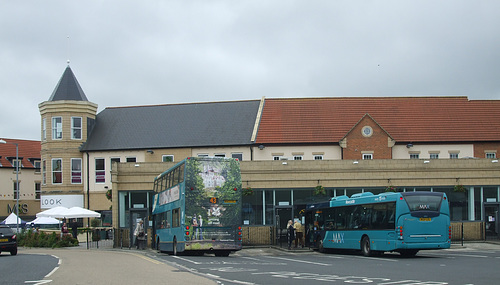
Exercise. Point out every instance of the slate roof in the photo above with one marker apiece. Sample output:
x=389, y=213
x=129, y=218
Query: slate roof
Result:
x=177, y=125
x=27, y=149
x=68, y=88
x=406, y=119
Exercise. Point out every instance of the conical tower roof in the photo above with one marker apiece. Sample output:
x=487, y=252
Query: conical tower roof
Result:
x=68, y=88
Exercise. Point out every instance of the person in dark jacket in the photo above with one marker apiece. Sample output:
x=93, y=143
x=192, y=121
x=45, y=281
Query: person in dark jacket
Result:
x=74, y=228
x=290, y=233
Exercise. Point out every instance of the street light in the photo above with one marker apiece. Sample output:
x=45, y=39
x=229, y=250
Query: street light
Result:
x=17, y=183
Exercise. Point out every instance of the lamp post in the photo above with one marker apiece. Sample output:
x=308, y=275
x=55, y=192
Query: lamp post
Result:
x=17, y=183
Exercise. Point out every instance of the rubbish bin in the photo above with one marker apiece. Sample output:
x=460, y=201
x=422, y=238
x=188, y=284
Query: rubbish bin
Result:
x=102, y=234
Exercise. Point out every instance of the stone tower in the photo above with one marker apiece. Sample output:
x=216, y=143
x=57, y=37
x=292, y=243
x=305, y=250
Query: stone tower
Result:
x=67, y=119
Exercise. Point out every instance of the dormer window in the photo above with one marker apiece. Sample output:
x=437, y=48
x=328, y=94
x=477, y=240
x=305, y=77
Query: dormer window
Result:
x=14, y=162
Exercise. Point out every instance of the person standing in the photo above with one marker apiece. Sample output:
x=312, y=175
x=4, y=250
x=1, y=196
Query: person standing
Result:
x=64, y=229
x=299, y=232
x=74, y=228
x=139, y=234
x=290, y=233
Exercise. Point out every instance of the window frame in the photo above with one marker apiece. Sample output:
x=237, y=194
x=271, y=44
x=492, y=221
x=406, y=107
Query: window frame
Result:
x=16, y=183
x=44, y=129
x=318, y=157
x=38, y=190
x=79, y=129
x=100, y=173
x=367, y=156
x=55, y=172
x=57, y=128
x=164, y=156
x=75, y=173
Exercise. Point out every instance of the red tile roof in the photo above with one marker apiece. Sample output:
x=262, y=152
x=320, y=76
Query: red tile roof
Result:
x=406, y=119
x=27, y=150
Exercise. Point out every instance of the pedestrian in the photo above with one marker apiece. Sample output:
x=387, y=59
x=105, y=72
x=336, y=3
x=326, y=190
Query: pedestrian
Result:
x=64, y=229
x=299, y=233
x=74, y=228
x=290, y=233
x=139, y=234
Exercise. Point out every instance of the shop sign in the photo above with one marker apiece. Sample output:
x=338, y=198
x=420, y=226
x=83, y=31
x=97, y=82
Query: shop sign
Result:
x=68, y=201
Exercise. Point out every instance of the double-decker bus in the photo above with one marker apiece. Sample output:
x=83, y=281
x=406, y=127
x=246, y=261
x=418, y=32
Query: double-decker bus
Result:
x=396, y=222
x=197, y=207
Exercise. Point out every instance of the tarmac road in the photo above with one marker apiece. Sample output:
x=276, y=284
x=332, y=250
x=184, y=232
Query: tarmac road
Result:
x=82, y=266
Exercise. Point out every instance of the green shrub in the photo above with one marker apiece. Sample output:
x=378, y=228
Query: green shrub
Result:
x=32, y=238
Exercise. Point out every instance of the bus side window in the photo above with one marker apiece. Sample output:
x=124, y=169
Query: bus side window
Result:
x=391, y=213
x=167, y=219
x=176, y=218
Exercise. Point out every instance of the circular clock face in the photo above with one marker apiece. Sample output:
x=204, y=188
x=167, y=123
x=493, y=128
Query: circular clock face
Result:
x=367, y=131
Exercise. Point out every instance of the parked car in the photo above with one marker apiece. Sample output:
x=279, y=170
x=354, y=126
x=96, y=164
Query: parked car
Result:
x=8, y=240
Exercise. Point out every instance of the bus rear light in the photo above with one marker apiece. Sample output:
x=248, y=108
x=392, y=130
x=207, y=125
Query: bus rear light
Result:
x=449, y=232
x=239, y=228
x=239, y=239
x=239, y=233
x=187, y=228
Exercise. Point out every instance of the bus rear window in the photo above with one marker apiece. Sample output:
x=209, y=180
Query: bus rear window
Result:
x=423, y=202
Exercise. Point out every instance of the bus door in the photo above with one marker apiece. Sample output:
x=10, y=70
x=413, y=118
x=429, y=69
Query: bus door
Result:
x=283, y=214
x=491, y=220
x=135, y=216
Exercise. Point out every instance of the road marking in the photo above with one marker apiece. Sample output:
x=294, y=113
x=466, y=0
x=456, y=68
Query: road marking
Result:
x=301, y=261
x=375, y=258
x=55, y=268
x=185, y=259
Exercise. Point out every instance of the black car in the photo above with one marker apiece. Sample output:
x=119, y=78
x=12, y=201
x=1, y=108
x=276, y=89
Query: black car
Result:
x=8, y=240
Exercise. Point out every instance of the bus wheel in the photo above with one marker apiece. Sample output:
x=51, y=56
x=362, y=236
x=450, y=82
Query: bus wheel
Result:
x=365, y=246
x=409, y=252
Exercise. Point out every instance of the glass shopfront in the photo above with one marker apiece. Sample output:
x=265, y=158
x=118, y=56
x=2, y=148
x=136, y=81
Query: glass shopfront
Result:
x=260, y=208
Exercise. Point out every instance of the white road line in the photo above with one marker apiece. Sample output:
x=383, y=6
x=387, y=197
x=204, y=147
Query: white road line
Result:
x=300, y=261
x=375, y=258
x=251, y=258
x=51, y=272
x=184, y=259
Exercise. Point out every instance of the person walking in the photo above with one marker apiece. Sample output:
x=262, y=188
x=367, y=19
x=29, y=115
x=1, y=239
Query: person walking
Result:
x=290, y=233
x=299, y=233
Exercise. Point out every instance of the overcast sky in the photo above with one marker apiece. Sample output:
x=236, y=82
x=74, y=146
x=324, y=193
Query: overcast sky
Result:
x=127, y=53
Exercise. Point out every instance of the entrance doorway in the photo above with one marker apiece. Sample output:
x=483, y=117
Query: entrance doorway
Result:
x=283, y=214
x=135, y=217
x=491, y=220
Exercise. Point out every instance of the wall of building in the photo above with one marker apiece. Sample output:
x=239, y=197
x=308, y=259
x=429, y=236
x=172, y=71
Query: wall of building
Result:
x=377, y=142
x=227, y=151
x=29, y=205
x=424, y=151
x=480, y=149
x=329, y=152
